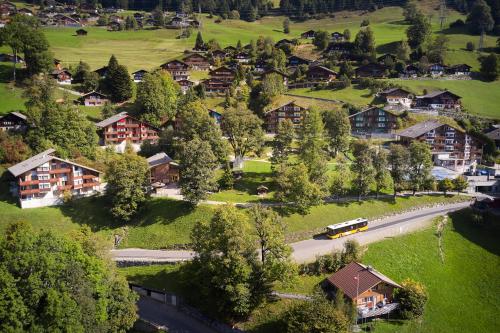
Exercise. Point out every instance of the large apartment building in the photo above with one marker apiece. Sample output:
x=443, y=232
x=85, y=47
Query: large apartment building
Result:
x=373, y=120
x=43, y=180
x=121, y=127
x=451, y=147
x=290, y=111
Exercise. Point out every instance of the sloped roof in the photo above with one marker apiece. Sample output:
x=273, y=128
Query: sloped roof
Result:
x=159, y=159
x=392, y=90
x=17, y=114
x=437, y=93
x=32, y=162
x=355, y=278
x=420, y=128
x=112, y=119
x=494, y=135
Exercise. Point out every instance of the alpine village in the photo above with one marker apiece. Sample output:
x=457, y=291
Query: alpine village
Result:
x=230, y=166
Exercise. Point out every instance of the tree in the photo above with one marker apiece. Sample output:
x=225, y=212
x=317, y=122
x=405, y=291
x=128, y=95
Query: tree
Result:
x=362, y=168
x=412, y=298
x=224, y=262
x=157, y=96
x=127, y=177
x=340, y=180
x=286, y=25
x=338, y=128
x=398, y=161
x=313, y=145
x=460, y=184
x=419, y=32
x=80, y=70
x=489, y=67
x=272, y=85
x=321, y=39
x=54, y=283
x=282, y=143
x=420, y=164
x=244, y=130
x=158, y=17
x=118, y=81
x=351, y=252
x=90, y=81
x=445, y=185
x=13, y=149
x=315, y=316
x=410, y=11
x=347, y=34
x=470, y=46
x=364, y=43
x=346, y=69
x=437, y=49
x=479, y=19
x=278, y=60
x=108, y=110
x=275, y=264
x=197, y=170
x=195, y=122
x=294, y=187
x=199, y=44
x=380, y=165
x=403, y=51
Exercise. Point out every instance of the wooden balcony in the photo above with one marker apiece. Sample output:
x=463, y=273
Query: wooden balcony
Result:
x=30, y=191
x=64, y=187
x=29, y=182
x=90, y=184
x=132, y=125
x=61, y=170
x=89, y=176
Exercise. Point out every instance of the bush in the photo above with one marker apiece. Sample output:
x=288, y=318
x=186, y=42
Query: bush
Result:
x=457, y=24
x=365, y=23
x=234, y=15
x=412, y=298
x=470, y=46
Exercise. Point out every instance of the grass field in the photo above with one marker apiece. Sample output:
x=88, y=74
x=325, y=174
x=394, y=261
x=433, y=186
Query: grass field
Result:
x=10, y=96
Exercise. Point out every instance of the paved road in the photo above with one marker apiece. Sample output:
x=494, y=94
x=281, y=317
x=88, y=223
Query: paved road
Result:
x=170, y=317
x=307, y=250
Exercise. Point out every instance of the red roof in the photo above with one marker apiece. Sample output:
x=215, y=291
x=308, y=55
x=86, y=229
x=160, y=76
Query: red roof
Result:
x=355, y=278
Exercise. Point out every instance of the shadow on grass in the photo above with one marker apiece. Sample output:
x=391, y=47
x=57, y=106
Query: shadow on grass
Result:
x=167, y=279
x=387, y=47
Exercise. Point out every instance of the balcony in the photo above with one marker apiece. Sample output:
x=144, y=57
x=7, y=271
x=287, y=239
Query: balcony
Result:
x=29, y=182
x=90, y=184
x=61, y=170
x=89, y=176
x=132, y=125
x=64, y=187
x=30, y=191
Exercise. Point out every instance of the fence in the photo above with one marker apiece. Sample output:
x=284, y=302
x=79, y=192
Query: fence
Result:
x=174, y=300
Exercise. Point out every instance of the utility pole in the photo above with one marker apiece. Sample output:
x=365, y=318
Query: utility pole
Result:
x=442, y=13
x=481, y=41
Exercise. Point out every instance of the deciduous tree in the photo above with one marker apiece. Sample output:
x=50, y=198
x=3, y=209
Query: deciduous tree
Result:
x=420, y=164
x=479, y=19
x=445, y=185
x=412, y=298
x=399, y=163
x=489, y=67
x=339, y=131
x=321, y=39
x=362, y=168
x=282, y=143
x=419, y=31
x=460, y=184
x=313, y=145
x=380, y=164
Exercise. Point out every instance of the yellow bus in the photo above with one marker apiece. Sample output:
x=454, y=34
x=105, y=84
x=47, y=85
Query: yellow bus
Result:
x=346, y=228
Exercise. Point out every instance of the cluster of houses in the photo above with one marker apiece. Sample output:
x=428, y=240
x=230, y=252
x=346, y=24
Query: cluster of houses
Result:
x=402, y=99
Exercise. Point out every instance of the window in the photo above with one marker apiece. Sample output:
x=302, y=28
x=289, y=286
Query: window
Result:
x=381, y=124
x=296, y=114
x=449, y=141
x=381, y=113
x=281, y=114
x=78, y=181
x=43, y=177
x=448, y=148
x=44, y=185
x=359, y=124
x=360, y=117
x=430, y=141
x=381, y=118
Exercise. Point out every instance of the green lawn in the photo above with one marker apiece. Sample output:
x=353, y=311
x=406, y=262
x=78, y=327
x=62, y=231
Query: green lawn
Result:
x=159, y=277
x=10, y=96
x=353, y=95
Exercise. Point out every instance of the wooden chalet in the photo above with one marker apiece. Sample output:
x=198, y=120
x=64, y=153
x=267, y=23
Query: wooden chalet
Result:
x=437, y=69
x=261, y=66
x=81, y=32
x=197, y=61
x=294, y=61
x=93, y=98
x=230, y=49
x=371, y=291
x=494, y=134
x=63, y=76
x=338, y=37
x=185, y=85
x=162, y=169
x=295, y=113
x=439, y=100
x=102, y=71
x=411, y=71
x=242, y=57
x=122, y=127
x=137, y=76
x=283, y=42
x=216, y=86
x=10, y=58
x=44, y=179
x=13, y=121
x=373, y=120
x=308, y=34
x=451, y=146
x=222, y=74
x=459, y=70
x=219, y=54
x=114, y=26
x=25, y=11
x=386, y=57
x=373, y=70
x=178, y=69
x=397, y=96
x=7, y=9
x=320, y=73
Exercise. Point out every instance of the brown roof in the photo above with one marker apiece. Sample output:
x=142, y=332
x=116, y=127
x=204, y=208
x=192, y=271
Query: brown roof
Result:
x=355, y=278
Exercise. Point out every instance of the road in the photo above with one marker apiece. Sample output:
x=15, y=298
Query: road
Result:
x=307, y=250
x=170, y=317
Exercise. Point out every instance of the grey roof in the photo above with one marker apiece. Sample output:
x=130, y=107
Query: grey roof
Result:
x=364, y=110
x=17, y=114
x=437, y=93
x=420, y=128
x=391, y=90
x=112, y=119
x=494, y=135
x=158, y=159
x=32, y=162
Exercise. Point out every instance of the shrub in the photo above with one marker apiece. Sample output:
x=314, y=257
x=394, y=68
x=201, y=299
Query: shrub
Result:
x=412, y=298
x=365, y=23
x=457, y=24
x=470, y=46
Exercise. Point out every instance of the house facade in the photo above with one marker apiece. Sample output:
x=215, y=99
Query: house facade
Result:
x=290, y=111
x=320, y=73
x=451, y=147
x=93, y=98
x=222, y=74
x=373, y=120
x=178, y=69
x=62, y=76
x=374, y=70
x=162, y=169
x=185, y=85
x=44, y=179
x=215, y=86
x=197, y=62
x=137, y=76
x=397, y=97
x=121, y=128
x=439, y=100
x=13, y=121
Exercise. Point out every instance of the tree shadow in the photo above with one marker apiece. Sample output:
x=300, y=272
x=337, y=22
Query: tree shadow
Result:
x=167, y=279
x=387, y=47
x=5, y=195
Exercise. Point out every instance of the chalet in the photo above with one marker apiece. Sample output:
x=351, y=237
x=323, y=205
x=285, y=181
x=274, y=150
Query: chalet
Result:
x=338, y=37
x=102, y=71
x=345, y=49
x=216, y=116
x=451, y=146
x=242, y=57
x=411, y=71
x=438, y=100
x=179, y=22
x=459, y=70
x=197, y=61
x=7, y=9
x=397, y=96
x=493, y=133
x=26, y=12
x=115, y=18
x=283, y=42
x=260, y=66
x=62, y=76
x=139, y=75
x=222, y=74
x=81, y=32
x=294, y=61
x=121, y=128
x=93, y=98
x=162, y=169
x=176, y=68
x=371, y=291
x=373, y=120
x=185, y=85
x=13, y=121
x=44, y=179
x=219, y=54
x=277, y=72
x=290, y=111
x=308, y=34
x=216, y=86
x=385, y=58
x=65, y=21
x=373, y=70
x=437, y=69
x=320, y=73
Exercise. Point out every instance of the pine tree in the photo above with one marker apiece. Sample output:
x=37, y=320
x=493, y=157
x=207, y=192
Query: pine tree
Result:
x=118, y=81
x=286, y=25
x=282, y=143
x=199, y=44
